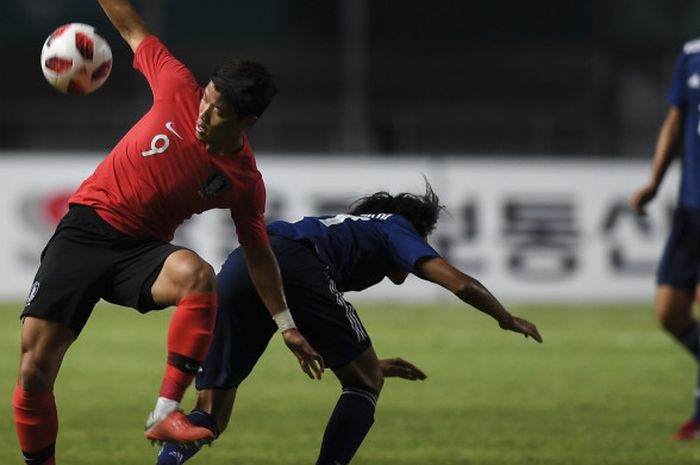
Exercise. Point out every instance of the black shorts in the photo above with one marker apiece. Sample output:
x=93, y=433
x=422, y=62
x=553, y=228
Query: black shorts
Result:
x=244, y=326
x=88, y=259
x=680, y=262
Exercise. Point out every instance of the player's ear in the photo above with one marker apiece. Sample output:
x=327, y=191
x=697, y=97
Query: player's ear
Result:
x=248, y=121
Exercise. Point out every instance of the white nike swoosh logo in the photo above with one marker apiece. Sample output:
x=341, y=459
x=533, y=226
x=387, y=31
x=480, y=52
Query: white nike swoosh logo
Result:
x=169, y=127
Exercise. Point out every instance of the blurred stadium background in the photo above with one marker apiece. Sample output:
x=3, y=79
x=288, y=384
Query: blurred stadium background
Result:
x=558, y=78
x=534, y=121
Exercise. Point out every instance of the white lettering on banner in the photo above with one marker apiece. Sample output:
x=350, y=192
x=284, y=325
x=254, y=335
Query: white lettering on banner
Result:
x=541, y=236
x=550, y=231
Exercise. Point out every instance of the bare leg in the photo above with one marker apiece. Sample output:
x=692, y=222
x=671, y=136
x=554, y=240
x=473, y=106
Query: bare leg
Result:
x=674, y=308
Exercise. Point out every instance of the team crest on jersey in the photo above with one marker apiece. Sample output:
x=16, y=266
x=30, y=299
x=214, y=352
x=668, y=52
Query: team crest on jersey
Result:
x=214, y=185
x=694, y=81
x=32, y=292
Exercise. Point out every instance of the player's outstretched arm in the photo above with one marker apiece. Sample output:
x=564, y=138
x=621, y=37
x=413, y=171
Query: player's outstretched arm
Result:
x=667, y=140
x=127, y=20
x=265, y=274
x=472, y=292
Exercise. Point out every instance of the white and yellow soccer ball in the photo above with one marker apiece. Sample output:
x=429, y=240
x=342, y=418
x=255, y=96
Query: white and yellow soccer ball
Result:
x=75, y=59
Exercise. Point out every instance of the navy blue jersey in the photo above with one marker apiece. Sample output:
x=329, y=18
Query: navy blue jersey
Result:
x=360, y=250
x=685, y=95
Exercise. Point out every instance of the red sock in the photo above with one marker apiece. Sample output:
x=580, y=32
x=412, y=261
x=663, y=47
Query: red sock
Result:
x=36, y=421
x=189, y=338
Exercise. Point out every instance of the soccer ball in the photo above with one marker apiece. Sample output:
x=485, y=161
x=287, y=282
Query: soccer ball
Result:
x=75, y=59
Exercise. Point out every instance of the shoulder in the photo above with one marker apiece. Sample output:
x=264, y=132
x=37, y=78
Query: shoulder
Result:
x=242, y=164
x=161, y=68
x=252, y=179
x=152, y=50
x=393, y=224
x=692, y=47
x=150, y=44
x=248, y=164
x=245, y=157
x=402, y=222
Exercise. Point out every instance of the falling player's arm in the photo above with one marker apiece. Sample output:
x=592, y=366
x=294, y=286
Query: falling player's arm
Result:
x=399, y=368
x=666, y=142
x=472, y=292
x=265, y=274
x=127, y=20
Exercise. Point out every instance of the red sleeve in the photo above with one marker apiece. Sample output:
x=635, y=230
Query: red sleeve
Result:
x=164, y=73
x=249, y=217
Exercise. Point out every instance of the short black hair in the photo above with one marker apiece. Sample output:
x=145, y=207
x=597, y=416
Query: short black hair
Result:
x=247, y=85
x=422, y=211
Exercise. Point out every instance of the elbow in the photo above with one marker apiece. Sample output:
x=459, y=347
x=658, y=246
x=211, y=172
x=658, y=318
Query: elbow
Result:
x=130, y=35
x=675, y=129
x=674, y=123
x=465, y=288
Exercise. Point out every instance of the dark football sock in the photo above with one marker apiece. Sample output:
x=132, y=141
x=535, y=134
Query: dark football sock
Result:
x=690, y=339
x=350, y=421
x=696, y=413
x=177, y=454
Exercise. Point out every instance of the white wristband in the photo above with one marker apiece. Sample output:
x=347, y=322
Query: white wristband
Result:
x=284, y=320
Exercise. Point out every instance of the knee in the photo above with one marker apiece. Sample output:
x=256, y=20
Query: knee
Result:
x=672, y=321
x=44, y=343
x=378, y=380
x=193, y=274
x=674, y=308
x=372, y=380
x=200, y=276
x=35, y=371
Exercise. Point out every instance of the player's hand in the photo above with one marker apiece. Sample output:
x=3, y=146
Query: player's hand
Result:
x=310, y=361
x=400, y=368
x=641, y=198
x=522, y=326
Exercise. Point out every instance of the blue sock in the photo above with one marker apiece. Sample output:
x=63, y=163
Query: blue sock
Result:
x=177, y=454
x=690, y=339
x=696, y=414
x=350, y=422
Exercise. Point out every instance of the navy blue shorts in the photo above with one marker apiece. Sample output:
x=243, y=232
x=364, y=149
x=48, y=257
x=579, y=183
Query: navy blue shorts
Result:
x=680, y=262
x=87, y=259
x=244, y=326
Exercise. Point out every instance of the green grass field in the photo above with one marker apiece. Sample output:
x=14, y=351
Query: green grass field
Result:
x=606, y=387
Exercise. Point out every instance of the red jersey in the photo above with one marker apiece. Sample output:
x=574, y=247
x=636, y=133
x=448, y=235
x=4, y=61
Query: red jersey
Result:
x=160, y=174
